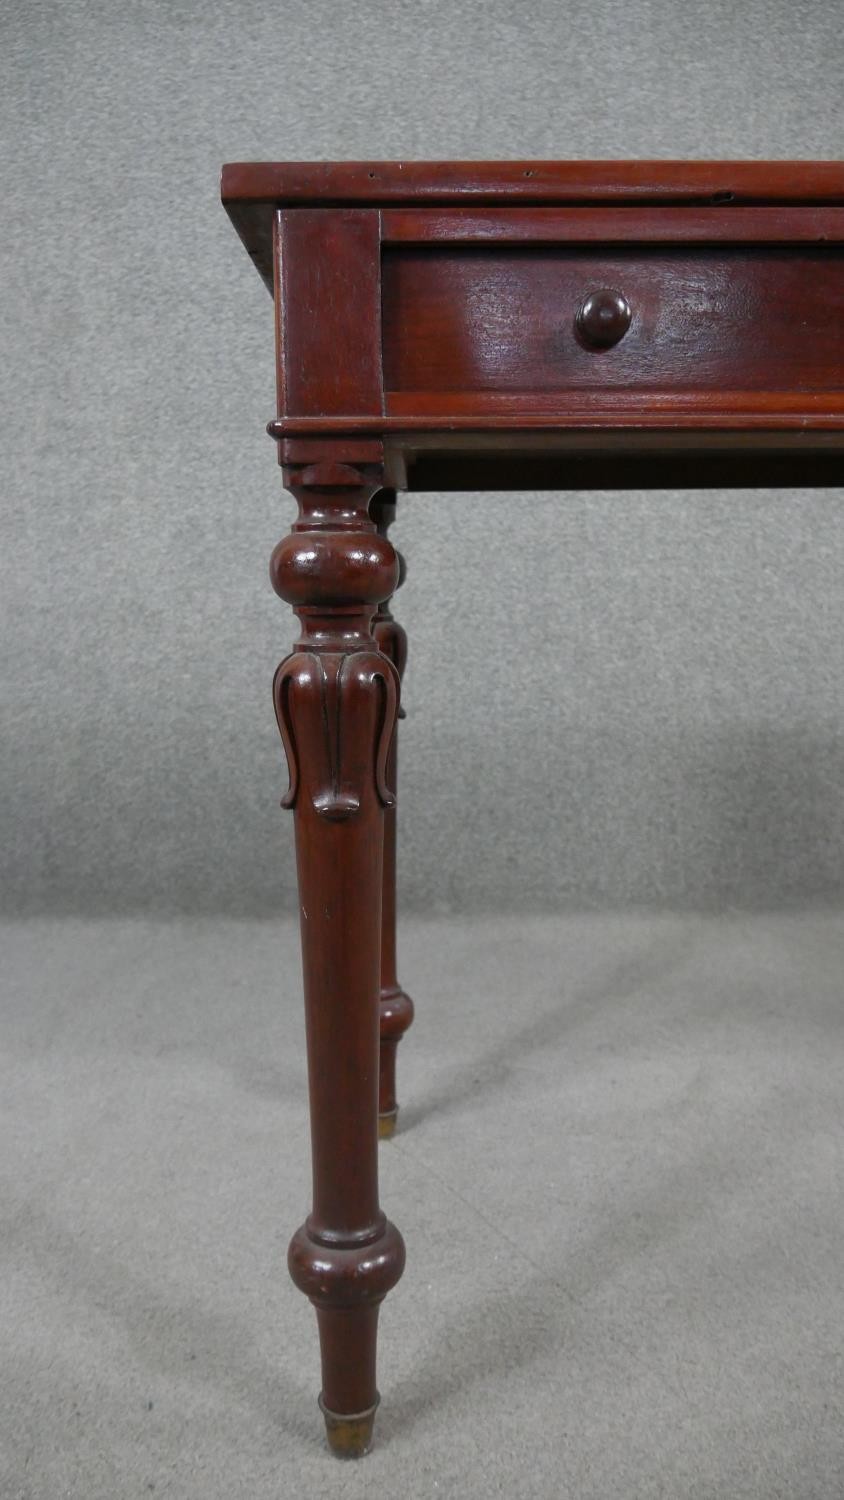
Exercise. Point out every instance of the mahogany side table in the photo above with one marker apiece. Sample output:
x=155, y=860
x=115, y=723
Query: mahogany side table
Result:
x=482, y=325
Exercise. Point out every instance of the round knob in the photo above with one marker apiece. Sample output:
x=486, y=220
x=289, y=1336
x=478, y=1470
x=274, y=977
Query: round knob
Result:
x=603, y=318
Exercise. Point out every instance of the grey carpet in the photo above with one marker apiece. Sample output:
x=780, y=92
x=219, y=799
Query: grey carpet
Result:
x=619, y=1178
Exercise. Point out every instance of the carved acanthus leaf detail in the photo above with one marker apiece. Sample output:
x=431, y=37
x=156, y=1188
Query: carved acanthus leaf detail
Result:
x=342, y=703
x=392, y=642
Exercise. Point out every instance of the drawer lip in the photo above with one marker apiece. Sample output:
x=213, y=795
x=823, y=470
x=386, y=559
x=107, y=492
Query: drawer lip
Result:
x=703, y=411
x=612, y=226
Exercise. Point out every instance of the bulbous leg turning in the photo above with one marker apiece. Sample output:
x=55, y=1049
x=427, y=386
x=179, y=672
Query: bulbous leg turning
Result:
x=347, y=1283
x=396, y=1010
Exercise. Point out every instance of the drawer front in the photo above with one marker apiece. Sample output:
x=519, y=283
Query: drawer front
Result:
x=717, y=318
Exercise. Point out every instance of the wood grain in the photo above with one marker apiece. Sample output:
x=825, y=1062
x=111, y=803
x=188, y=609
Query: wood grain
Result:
x=252, y=191
x=693, y=225
x=336, y=698
x=328, y=311
x=718, y=319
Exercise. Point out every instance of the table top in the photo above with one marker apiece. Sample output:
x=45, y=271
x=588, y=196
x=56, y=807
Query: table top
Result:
x=550, y=182
x=252, y=190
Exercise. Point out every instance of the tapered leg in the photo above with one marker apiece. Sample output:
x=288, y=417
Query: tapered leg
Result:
x=336, y=699
x=396, y=1004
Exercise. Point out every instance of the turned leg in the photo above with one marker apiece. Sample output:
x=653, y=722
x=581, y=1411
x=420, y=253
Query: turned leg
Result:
x=396, y=1005
x=336, y=699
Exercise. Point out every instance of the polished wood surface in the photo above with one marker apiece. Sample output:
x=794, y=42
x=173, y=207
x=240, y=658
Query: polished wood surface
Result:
x=336, y=699
x=464, y=326
x=454, y=318
x=327, y=309
x=600, y=225
x=489, y=319
x=523, y=182
x=252, y=191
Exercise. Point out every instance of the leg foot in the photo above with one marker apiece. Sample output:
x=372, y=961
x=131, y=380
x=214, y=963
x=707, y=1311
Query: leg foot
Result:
x=349, y=1436
x=347, y=1280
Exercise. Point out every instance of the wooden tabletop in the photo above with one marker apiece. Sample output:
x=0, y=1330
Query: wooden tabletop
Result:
x=534, y=182
x=252, y=190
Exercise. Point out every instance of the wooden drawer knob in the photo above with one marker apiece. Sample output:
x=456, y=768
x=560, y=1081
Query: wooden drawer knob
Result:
x=603, y=318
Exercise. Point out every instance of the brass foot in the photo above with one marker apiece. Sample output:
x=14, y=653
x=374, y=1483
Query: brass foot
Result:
x=349, y=1436
x=387, y=1125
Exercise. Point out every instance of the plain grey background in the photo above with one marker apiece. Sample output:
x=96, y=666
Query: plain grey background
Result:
x=611, y=699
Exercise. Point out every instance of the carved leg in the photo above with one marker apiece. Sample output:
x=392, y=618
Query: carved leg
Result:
x=336, y=699
x=396, y=1005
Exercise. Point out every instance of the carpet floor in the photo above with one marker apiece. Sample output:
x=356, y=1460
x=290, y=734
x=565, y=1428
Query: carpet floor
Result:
x=619, y=1173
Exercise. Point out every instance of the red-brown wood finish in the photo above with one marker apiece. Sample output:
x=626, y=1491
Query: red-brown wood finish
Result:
x=252, y=191
x=329, y=311
x=396, y=1004
x=490, y=318
x=472, y=325
x=336, y=699
x=612, y=226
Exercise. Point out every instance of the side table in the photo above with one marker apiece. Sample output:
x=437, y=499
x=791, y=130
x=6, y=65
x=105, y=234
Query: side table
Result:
x=471, y=326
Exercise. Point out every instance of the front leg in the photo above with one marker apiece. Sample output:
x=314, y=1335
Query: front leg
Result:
x=396, y=1004
x=336, y=699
